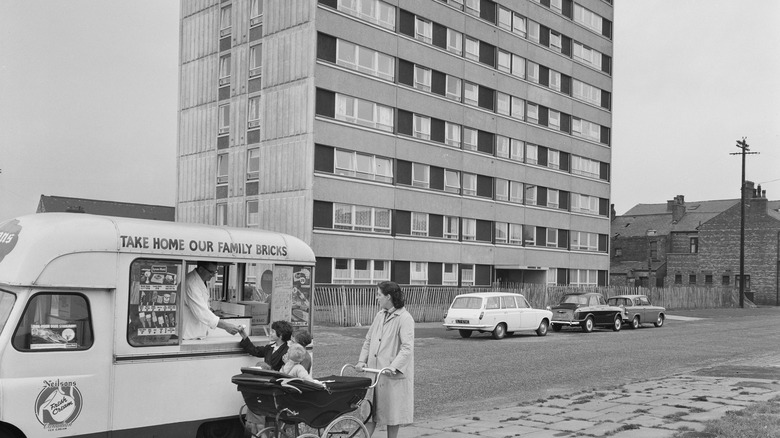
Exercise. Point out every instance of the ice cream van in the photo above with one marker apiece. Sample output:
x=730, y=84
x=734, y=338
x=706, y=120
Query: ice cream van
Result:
x=91, y=323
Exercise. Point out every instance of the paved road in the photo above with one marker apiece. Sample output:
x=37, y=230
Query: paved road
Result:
x=455, y=375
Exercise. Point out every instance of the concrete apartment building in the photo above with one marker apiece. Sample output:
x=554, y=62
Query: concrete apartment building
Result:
x=697, y=244
x=455, y=142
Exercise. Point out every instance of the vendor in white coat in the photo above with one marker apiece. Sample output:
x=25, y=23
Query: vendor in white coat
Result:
x=390, y=344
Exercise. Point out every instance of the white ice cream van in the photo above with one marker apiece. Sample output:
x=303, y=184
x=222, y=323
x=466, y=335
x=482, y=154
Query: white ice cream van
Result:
x=91, y=318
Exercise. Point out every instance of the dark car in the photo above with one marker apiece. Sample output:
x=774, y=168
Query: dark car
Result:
x=638, y=310
x=586, y=310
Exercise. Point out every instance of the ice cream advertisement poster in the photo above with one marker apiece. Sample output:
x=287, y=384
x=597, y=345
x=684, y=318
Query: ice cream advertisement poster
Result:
x=58, y=404
x=53, y=336
x=281, y=301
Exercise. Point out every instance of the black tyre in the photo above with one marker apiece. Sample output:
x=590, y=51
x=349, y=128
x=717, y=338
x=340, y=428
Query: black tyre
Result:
x=500, y=331
x=557, y=327
x=465, y=333
x=617, y=324
x=543, y=326
x=635, y=322
x=660, y=321
x=587, y=325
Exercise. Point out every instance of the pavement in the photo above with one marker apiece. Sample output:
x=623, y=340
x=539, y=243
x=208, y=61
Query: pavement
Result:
x=657, y=408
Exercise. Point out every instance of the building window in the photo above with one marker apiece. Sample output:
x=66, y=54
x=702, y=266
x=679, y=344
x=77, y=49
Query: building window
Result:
x=224, y=119
x=423, y=30
x=618, y=252
x=585, y=166
x=469, y=184
x=518, y=66
x=472, y=49
x=737, y=281
x=555, y=80
x=422, y=78
x=358, y=271
x=221, y=214
x=452, y=181
x=453, y=88
x=587, y=18
x=517, y=151
x=502, y=189
x=533, y=72
x=451, y=226
x=725, y=280
x=518, y=25
x=584, y=277
x=531, y=153
x=530, y=194
x=224, y=69
x=588, y=93
x=469, y=139
x=529, y=235
x=364, y=112
x=584, y=203
x=585, y=129
x=708, y=279
x=222, y=168
x=467, y=275
x=255, y=12
x=252, y=213
x=361, y=218
x=692, y=279
x=694, y=245
x=502, y=146
x=504, y=61
x=469, y=229
x=419, y=224
x=452, y=134
x=472, y=7
x=470, y=93
x=516, y=192
x=532, y=116
x=552, y=237
x=586, y=55
x=365, y=60
x=225, y=21
x=255, y=60
x=553, y=159
x=502, y=103
x=421, y=175
x=515, y=234
x=422, y=127
x=454, y=42
x=555, y=41
x=253, y=164
x=553, y=198
x=504, y=18
x=363, y=166
x=253, y=112
x=580, y=240
x=418, y=273
x=518, y=108
x=373, y=11
x=501, y=232
x=533, y=31
x=449, y=274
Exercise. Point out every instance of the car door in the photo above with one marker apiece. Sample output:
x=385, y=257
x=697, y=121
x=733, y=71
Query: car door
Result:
x=511, y=314
x=528, y=316
x=493, y=312
x=643, y=305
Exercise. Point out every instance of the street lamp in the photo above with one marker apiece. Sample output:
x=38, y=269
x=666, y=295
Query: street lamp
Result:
x=649, y=234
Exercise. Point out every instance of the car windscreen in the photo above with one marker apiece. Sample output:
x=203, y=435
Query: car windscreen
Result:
x=467, y=303
x=617, y=301
x=7, y=300
x=575, y=299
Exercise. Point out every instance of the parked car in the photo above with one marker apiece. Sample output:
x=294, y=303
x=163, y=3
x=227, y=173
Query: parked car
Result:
x=586, y=310
x=638, y=310
x=499, y=313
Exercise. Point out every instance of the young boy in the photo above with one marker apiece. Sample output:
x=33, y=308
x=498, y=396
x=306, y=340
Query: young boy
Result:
x=303, y=338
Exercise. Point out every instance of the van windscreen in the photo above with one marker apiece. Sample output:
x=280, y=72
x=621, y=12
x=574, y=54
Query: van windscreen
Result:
x=467, y=303
x=7, y=300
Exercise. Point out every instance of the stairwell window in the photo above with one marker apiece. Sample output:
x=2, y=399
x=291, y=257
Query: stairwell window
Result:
x=224, y=119
x=224, y=69
x=255, y=60
x=253, y=112
x=252, y=213
x=225, y=20
x=222, y=168
x=253, y=164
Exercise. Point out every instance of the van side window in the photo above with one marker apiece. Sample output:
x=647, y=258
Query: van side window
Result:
x=52, y=321
x=155, y=295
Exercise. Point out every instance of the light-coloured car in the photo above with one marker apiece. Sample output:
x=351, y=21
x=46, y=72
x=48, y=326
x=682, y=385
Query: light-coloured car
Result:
x=498, y=313
x=639, y=310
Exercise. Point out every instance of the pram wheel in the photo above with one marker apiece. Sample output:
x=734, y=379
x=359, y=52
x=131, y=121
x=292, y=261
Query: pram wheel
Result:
x=346, y=426
x=270, y=432
x=308, y=435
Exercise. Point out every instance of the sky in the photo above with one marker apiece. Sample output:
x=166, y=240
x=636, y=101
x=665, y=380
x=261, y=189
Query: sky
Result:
x=89, y=91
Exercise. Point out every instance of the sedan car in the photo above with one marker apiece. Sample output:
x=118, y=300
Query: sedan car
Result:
x=586, y=310
x=499, y=313
x=638, y=310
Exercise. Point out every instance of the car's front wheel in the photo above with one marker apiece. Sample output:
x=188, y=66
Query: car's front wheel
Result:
x=635, y=322
x=500, y=331
x=587, y=325
x=542, y=330
x=660, y=321
x=617, y=324
x=557, y=327
x=465, y=333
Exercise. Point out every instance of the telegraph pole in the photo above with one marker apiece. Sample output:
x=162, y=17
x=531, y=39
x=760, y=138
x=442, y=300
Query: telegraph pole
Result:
x=742, y=144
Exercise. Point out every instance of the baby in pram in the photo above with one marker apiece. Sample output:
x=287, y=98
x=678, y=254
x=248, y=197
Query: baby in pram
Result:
x=292, y=363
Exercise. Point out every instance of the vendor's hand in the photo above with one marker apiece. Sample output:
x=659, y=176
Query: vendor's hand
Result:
x=359, y=366
x=228, y=327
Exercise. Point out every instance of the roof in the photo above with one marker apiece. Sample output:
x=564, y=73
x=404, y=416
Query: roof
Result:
x=642, y=217
x=62, y=204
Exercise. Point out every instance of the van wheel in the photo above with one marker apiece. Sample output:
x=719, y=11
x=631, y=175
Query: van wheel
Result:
x=465, y=333
x=500, y=331
x=230, y=428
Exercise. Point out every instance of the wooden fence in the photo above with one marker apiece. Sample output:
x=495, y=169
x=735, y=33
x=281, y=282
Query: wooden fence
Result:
x=348, y=305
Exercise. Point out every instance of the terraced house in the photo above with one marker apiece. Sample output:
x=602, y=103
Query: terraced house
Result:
x=457, y=142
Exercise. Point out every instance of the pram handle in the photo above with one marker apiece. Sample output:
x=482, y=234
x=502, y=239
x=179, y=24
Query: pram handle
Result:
x=378, y=372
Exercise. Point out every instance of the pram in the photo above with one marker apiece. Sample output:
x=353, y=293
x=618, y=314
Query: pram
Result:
x=291, y=401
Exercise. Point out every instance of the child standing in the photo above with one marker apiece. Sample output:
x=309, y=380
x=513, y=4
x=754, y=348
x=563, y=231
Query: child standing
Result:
x=303, y=338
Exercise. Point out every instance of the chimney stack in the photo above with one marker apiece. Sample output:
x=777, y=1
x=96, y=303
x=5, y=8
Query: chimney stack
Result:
x=677, y=207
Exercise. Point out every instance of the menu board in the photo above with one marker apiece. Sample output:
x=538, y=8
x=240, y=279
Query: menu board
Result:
x=301, y=296
x=155, y=292
x=281, y=301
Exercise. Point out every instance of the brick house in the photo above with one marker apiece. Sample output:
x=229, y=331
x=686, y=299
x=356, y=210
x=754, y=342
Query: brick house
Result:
x=697, y=243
